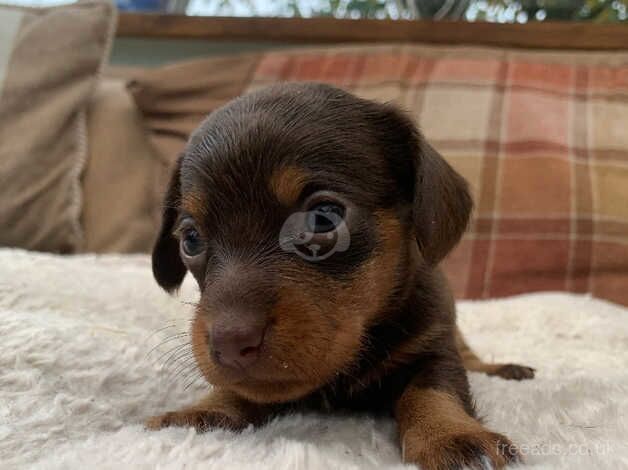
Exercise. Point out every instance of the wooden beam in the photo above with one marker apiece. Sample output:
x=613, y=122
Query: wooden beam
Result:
x=543, y=35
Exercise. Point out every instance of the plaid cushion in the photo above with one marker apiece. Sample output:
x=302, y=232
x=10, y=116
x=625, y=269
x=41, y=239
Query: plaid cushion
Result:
x=541, y=137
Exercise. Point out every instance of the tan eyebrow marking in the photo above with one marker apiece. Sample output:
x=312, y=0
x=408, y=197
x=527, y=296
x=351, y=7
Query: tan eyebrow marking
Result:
x=287, y=183
x=193, y=204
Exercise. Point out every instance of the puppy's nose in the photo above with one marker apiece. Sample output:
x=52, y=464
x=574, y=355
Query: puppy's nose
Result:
x=237, y=347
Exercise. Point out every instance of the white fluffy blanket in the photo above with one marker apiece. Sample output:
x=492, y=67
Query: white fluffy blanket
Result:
x=77, y=379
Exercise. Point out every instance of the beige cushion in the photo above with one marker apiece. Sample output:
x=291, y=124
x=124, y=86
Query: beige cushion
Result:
x=175, y=98
x=50, y=60
x=121, y=194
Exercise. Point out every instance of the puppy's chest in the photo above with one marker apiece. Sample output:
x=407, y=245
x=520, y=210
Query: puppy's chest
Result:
x=398, y=352
x=376, y=394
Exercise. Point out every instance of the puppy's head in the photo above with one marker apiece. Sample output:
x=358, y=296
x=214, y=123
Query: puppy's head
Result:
x=299, y=210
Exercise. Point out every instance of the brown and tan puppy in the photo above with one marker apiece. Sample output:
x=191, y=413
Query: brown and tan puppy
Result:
x=314, y=222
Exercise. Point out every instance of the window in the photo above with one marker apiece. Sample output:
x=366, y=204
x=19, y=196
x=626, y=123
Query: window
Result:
x=498, y=11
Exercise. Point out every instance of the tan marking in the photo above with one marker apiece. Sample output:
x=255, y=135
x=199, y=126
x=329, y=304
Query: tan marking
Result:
x=473, y=363
x=470, y=360
x=420, y=407
x=377, y=278
x=287, y=183
x=221, y=409
x=194, y=204
x=437, y=433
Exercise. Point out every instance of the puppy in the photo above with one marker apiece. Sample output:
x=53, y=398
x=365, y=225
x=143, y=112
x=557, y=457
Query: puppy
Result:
x=314, y=222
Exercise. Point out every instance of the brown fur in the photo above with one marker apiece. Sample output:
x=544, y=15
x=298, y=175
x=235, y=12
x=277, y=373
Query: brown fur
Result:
x=345, y=314
x=220, y=409
x=192, y=204
x=287, y=184
x=403, y=354
x=370, y=327
x=437, y=433
x=473, y=363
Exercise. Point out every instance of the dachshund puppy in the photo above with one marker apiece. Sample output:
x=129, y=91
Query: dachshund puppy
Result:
x=314, y=222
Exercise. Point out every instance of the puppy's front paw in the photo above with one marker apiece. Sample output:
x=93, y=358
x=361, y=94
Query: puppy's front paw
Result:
x=514, y=372
x=202, y=420
x=480, y=450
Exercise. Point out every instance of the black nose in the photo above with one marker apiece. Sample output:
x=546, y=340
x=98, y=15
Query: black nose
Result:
x=237, y=347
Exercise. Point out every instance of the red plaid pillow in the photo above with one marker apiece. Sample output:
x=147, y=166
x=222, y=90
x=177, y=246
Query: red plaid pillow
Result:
x=541, y=137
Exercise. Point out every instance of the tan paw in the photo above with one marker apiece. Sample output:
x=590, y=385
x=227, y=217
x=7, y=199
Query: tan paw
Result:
x=481, y=450
x=514, y=372
x=201, y=420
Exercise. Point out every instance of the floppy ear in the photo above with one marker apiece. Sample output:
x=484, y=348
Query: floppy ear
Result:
x=168, y=268
x=440, y=196
x=442, y=204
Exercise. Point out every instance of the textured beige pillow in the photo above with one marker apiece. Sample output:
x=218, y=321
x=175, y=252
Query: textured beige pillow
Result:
x=122, y=190
x=50, y=60
x=175, y=98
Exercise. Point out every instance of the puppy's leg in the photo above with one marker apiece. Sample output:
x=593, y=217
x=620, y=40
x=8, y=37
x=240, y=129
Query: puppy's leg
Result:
x=220, y=409
x=473, y=363
x=437, y=434
x=437, y=429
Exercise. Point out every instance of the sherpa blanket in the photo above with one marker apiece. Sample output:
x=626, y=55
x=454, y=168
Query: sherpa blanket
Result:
x=86, y=348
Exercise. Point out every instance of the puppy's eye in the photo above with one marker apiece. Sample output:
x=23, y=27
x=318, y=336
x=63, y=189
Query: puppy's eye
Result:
x=324, y=217
x=192, y=243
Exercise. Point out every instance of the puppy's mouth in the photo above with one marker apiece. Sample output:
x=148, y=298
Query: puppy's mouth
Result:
x=267, y=382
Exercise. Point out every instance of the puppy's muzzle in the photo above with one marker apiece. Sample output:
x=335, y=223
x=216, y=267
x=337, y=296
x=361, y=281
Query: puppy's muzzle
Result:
x=237, y=308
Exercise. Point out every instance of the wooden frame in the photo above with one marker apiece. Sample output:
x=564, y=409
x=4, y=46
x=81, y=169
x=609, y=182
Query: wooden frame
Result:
x=568, y=35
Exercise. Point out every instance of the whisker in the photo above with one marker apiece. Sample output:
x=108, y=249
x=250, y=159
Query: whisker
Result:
x=183, y=368
x=170, y=325
x=192, y=382
x=185, y=355
x=167, y=340
x=171, y=352
x=190, y=372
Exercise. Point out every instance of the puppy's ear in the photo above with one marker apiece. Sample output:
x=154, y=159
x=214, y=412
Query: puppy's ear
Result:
x=442, y=204
x=440, y=196
x=168, y=268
